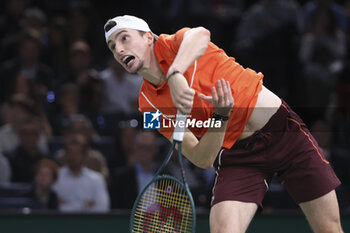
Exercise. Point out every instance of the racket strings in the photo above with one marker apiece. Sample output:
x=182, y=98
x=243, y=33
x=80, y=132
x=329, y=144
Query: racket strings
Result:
x=164, y=207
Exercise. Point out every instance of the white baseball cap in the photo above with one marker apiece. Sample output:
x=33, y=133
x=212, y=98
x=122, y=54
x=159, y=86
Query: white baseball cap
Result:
x=126, y=21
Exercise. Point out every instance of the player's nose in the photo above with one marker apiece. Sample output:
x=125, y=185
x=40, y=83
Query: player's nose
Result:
x=119, y=50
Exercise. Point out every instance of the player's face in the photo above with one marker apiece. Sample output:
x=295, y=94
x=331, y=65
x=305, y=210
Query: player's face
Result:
x=129, y=48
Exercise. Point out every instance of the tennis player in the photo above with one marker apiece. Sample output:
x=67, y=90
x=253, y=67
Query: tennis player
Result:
x=260, y=135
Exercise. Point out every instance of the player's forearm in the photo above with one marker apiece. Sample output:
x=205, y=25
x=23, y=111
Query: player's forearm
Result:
x=194, y=44
x=205, y=152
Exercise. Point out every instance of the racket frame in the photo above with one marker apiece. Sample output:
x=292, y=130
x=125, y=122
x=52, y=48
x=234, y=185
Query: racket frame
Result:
x=178, y=137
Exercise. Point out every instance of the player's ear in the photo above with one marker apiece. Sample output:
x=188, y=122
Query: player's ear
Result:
x=149, y=36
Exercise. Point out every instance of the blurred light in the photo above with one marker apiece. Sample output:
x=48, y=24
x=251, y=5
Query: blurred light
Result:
x=50, y=96
x=134, y=123
x=26, y=210
x=101, y=122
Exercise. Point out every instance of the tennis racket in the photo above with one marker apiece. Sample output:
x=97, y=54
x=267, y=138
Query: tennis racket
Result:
x=166, y=203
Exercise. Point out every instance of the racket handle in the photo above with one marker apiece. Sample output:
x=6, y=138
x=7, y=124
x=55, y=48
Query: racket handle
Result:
x=179, y=131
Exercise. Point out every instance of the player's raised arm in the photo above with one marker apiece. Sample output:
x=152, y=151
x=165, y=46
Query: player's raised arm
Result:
x=195, y=42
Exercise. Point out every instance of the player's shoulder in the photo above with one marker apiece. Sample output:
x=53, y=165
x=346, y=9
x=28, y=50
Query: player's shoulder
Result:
x=177, y=35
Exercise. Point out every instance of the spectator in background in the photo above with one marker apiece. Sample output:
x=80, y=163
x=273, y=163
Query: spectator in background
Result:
x=10, y=26
x=24, y=157
x=23, y=85
x=35, y=19
x=80, y=189
x=219, y=16
x=68, y=101
x=91, y=92
x=265, y=41
x=347, y=31
x=128, y=181
x=15, y=110
x=120, y=90
x=79, y=62
x=46, y=172
x=81, y=125
x=57, y=51
x=323, y=47
x=5, y=170
x=340, y=120
x=85, y=78
x=27, y=63
x=58, y=46
x=84, y=25
x=125, y=145
x=339, y=112
x=168, y=14
x=337, y=10
x=321, y=130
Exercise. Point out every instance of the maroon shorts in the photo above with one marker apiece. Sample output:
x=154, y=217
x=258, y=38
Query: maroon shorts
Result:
x=283, y=146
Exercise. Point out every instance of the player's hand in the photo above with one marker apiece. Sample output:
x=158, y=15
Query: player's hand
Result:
x=221, y=98
x=181, y=94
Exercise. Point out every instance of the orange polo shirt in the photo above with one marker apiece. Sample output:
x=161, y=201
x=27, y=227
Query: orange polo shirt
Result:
x=212, y=66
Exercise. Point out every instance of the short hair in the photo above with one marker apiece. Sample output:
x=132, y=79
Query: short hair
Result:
x=49, y=164
x=32, y=35
x=79, y=118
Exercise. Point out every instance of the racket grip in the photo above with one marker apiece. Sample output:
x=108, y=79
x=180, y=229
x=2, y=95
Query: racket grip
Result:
x=179, y=131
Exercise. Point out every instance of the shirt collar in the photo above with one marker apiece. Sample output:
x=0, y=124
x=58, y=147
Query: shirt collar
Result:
x=161, y=61
x=68, y=172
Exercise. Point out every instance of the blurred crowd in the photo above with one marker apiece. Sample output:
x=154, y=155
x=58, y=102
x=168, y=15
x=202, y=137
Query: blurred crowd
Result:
x=70, y=134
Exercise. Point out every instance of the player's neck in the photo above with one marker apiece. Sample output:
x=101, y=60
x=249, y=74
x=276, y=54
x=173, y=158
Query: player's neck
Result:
x=152, y=72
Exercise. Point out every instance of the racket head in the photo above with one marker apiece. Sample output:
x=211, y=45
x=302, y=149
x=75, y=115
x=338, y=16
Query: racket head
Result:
x=164, y=205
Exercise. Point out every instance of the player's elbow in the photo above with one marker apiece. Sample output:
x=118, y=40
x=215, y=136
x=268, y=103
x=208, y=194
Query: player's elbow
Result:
x=207, y=166
x=203, y=36
x=203, y=32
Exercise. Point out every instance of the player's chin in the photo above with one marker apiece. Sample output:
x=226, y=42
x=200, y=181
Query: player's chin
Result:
x=134, y=69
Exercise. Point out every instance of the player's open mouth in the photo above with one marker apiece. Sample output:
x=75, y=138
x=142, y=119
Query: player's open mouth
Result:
x=127, y=59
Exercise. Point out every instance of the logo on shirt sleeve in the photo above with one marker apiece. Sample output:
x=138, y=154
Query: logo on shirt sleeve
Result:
x=151, y=120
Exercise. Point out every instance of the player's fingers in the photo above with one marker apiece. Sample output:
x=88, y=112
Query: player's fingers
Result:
x=230, y=97
x=215, y=96
x=188, y=94
x=229, y=89
x=208, y=99
x=225, y=92
x=191, y=91
x=220, y=92
x=186, y=105
x=186, y=98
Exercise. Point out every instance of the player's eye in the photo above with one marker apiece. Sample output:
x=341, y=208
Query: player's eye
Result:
x=112, y=47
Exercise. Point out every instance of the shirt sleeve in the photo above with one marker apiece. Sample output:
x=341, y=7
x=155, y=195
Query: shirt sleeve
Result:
x=174, y=41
